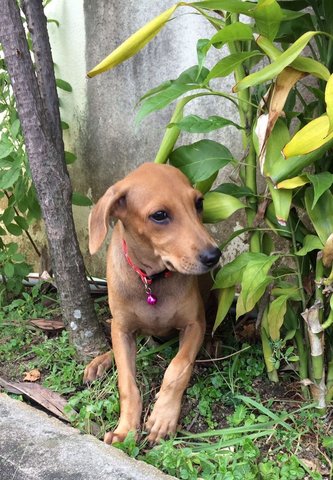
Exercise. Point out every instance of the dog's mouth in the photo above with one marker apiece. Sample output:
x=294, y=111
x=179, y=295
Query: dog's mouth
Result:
x=169, y=266
x=188, y=266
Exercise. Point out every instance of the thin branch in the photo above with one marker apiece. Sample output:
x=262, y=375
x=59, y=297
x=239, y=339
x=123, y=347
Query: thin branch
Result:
x=34, y=12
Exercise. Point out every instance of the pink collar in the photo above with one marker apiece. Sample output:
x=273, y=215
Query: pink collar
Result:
x=146, y=279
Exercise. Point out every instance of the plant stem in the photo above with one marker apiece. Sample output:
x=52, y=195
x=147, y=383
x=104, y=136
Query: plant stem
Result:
x=303, y=360
x=300, y=334
x=246, y=120
x=329, y=382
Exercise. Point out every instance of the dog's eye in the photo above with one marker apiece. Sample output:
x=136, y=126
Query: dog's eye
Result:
x=160, y=217
x=199, y=204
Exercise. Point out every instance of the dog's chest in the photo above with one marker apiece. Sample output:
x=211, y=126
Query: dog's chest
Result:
x=160, y=318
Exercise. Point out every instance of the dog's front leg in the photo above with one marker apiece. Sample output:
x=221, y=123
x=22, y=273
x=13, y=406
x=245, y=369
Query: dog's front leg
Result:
x=124, y=349
x=164, y=417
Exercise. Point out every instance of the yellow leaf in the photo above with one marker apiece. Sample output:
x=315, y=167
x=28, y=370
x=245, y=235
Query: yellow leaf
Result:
x=282, y=86
x=309, y=138
x=294, y=182
x=277, y=98
x=134, y=43
x=329, y=102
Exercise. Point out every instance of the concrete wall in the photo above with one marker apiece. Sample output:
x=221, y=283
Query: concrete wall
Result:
x=101, y=110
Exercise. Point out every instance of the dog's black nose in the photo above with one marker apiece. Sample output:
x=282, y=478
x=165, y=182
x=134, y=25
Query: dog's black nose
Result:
x=210, y=257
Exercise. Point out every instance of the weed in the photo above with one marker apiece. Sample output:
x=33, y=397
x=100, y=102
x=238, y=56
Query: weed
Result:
x=97, y=406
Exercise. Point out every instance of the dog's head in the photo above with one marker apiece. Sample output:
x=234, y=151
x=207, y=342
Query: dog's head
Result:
x=161, y=212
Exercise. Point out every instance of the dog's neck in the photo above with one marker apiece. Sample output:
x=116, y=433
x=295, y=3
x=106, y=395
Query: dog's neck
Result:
x=142, y=256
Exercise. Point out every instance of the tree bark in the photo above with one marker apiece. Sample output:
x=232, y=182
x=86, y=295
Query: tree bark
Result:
x=38, y=109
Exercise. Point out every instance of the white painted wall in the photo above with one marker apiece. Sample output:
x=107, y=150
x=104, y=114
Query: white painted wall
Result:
x=101, y=110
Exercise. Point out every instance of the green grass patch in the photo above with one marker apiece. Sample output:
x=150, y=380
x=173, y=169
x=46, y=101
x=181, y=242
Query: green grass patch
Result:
x=234, y=423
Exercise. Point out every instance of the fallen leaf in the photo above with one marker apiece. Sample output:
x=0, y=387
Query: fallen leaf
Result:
x=32, y=376
x=55, y=324
x=51, y=401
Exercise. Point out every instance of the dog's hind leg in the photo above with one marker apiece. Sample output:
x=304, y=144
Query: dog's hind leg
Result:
x=97, y=367
x=164, y=417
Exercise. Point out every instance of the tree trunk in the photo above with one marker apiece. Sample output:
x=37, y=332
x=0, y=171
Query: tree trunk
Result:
x=38, y=109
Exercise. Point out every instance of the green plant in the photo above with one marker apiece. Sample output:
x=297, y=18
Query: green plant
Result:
x=17, y=334
x=247, y=435
x=286, y=144
x=19, y=204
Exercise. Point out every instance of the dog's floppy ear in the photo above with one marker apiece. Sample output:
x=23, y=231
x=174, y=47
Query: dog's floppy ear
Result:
x=110, y=204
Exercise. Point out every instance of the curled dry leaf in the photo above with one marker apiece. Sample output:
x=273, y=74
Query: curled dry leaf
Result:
x=32, y=376
x=277, y=97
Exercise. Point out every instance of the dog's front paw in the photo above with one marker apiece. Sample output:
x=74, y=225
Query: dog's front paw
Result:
x=162, y=422
x=117, y=436
x=97, y=367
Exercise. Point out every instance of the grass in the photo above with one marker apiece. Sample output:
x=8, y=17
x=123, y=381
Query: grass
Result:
x=234, y=424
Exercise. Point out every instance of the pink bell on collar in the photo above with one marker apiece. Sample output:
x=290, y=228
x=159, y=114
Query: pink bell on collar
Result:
x=151, y=299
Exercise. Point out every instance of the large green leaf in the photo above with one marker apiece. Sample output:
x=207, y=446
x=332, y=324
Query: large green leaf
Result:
x=205, y=185
x=254, y=282
x=163, y=95
x=231, y=33
x=195, y=124
x=276, y=141
x=218, y=206
x=162, y=99
x=201, y=159
x=232, y=273
x=320, y=182
x=321, y=215
x=234, y=6
x=293, y=166
x=282, y=203
x=268, y=15
x=237, y=191
x=310, y=243
x=271, y=71
x=228, y=64
x=226, y=297
x=159, y=88
x=238, y=6
x=303, y=64
x=276, y=312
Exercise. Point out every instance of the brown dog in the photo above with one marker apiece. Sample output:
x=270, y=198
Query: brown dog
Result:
x=158, y=246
